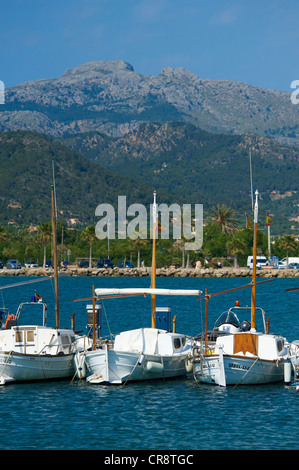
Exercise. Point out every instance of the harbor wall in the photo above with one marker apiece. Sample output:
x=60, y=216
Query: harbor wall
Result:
x=160, y=272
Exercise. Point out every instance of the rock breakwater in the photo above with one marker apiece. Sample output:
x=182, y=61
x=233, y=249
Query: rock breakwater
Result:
x=160, y=272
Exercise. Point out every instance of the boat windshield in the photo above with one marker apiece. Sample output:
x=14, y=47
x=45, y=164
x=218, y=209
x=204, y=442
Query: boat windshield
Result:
x=227, y=317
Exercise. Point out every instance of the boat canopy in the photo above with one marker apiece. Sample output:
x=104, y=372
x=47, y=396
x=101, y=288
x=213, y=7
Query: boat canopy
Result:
x=143, y=340
x=145, y=291
x=228, y=318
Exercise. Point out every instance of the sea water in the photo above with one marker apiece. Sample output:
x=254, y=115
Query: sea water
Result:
x=170, y=415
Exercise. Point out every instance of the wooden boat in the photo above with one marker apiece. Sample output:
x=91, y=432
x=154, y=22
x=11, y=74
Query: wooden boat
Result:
x=234, y=352
x=37, y=352
x=142, y=353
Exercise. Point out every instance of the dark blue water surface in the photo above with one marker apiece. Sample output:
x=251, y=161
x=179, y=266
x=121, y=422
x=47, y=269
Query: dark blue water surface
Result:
x=166, y=415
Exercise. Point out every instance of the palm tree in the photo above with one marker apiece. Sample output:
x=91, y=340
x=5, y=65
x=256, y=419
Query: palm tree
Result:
x=88, y=235
x=288, y=243
x=139, y=242
x=44, y=236
x=224, y=216
x=234, y=247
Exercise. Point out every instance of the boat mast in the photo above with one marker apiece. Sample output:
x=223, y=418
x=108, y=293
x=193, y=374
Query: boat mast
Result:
x=55, y=257
x=153, y=281
x=253, y=295
x=94, y=301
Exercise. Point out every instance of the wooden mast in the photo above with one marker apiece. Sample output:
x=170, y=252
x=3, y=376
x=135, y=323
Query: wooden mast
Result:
x=153, y=281
x=207, y=298
x=94, y=301
x=55, y=257
x=253, y=294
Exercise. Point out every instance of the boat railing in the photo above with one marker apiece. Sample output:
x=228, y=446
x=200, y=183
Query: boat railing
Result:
x=233, y=311
x=40, y=304
x=59, y=348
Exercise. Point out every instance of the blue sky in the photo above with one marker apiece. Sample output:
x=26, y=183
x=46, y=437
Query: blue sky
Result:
x=255, y=42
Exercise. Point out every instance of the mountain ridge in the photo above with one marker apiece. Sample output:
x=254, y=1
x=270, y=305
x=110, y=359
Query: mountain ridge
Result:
x=109, y=96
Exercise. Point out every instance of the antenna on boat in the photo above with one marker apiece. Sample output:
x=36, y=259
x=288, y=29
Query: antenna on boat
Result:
x=250, y=168
x=153, y=280
x=253, y=295
x=55, y=257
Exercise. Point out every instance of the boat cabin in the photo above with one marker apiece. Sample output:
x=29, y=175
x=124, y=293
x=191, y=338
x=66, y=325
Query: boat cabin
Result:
x=150, y=341
x=33, y=339
x=266, y=347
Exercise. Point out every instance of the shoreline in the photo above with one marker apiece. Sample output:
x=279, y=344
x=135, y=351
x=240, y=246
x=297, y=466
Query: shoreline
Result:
x=160, y=272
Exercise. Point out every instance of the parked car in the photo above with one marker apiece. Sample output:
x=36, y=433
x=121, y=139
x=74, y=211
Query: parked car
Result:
x=291, y=259
x=260, y=261
x=13, y=264
x=105, y=263
x=31, y=264
x=1, y=265
x=84, y=264
x=128, y=264
x=49, y=264
x=293, y=266
x=281, y=265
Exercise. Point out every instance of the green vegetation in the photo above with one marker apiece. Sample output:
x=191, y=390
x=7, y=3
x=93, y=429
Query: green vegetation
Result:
x=183, y=163
x=196, y=166
x=230, y=249
x=81, y=185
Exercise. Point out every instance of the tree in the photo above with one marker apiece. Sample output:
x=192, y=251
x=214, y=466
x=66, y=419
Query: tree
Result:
x=3, y=234
x=288, y=243
x=139, y=242
x=44, y=236
x=224, y=216
x=88, y=235
x=234, y=247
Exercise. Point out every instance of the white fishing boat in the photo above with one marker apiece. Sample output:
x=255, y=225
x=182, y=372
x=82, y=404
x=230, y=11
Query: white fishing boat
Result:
x=142, y=353
x=294, y=355
x=36, y=352
x=234, y=352
x=138, y=354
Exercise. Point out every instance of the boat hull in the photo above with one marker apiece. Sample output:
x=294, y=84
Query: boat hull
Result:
x=239, y=370
x=117, y=367
x=16, y=367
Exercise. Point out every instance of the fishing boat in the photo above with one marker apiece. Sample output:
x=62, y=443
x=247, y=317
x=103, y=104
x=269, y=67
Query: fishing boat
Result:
x=145, y=353
x=234, y=352
x=294, y=354
x=36, y=352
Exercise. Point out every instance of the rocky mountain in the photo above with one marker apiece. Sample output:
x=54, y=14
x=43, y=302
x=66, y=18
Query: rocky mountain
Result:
x=196, y=166
x=109, y=96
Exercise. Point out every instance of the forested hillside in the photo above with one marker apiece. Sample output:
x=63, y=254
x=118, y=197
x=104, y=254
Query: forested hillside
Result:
x=196, y=166
x=81, y=184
